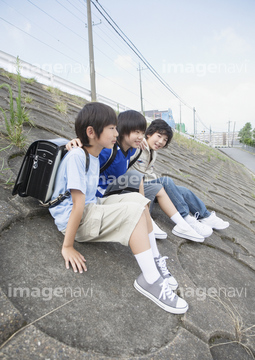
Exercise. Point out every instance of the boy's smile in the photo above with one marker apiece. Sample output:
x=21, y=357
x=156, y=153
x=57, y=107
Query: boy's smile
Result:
x=133, y=140
x=156, y=141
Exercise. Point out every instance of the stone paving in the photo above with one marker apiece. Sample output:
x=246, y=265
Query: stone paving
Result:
x=48, y=312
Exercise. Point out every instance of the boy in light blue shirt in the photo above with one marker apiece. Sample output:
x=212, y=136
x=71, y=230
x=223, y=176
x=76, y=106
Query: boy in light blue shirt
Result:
x=118, y=218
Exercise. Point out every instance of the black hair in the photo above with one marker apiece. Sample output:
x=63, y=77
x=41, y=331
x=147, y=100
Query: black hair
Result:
x=128, y=121
x=98, y=116
x=160, y=126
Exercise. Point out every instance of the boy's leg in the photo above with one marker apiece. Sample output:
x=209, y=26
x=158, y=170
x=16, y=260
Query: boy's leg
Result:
x=177, y=197
x=150, y=283
x=182, y=228
x=128, y=182
x=174, y=194
x=195, y=204
x=122, y=218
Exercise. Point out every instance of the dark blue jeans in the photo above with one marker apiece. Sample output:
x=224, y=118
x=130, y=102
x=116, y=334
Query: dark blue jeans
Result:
x=183, y=199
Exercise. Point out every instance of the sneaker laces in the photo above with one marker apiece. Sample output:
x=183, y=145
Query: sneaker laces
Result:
x=166, y=291
x=195, y=223
x=196, y=215
x=162, y=265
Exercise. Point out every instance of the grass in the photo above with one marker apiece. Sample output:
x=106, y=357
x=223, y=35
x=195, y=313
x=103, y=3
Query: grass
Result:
x=54, y=90
x=17, y=115
x=30, y=80
x=241, y=331
x=3, y=169
x=197, y=148
x=61, y=107
x=28, y=99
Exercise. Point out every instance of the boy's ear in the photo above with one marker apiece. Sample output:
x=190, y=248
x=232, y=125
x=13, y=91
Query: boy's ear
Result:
x=90, y=132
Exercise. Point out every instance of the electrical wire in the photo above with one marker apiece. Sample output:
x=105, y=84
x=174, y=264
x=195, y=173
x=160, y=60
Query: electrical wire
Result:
x=42, y=42
x=137, y=52
x=57, y=21
x=43, y=29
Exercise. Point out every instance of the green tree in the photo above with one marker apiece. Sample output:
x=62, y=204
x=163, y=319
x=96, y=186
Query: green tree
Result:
x=245, y=133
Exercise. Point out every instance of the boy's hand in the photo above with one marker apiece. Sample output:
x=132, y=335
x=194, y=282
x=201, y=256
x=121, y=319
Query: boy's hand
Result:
x=75, y=258
x=73, y=143
x=142, y=145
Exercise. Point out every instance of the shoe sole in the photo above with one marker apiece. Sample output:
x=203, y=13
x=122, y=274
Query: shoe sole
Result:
x=188, y=237
x=160, y=237
x=158, y=302
x=221, y=228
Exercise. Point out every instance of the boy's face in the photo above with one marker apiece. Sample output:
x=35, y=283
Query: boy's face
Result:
x=108, y=136
x=133, y=140
x=156, y=141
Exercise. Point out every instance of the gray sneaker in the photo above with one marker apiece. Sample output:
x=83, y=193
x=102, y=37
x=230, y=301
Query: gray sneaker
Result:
x=164, y=272
x=161, y=293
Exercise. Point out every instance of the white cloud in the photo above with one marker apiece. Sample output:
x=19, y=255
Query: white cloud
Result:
x=229, y=42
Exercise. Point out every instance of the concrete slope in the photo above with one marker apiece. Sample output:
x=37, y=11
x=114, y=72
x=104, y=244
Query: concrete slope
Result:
x=48, y=312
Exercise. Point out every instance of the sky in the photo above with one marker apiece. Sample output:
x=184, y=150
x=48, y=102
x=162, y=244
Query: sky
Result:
x=204, y=50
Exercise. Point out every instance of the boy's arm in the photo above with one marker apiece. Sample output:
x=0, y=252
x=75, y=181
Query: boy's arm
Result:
x=68, y=252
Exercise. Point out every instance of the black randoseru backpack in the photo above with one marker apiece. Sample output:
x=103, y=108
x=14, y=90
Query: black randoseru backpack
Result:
x=37, y=173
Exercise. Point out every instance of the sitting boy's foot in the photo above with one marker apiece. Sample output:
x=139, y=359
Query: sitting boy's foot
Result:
x=164, y=272
x=215, y=222
x=202, y=229
x=187, y=234
x=161, y=294
x=159, y=234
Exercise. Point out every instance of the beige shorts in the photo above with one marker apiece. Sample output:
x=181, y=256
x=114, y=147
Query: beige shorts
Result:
x=112, y=219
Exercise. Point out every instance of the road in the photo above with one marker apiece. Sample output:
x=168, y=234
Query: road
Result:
x=242, y=156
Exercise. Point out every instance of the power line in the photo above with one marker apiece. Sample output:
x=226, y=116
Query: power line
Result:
x=137, y=52
x=69, y=11
x=43, y=29
x=42, y=42
x=57, y=20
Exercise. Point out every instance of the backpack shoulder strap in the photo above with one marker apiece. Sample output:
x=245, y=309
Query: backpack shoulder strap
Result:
x=87, y=160
x=62, y=197
x=110, y=159
x=135, y=158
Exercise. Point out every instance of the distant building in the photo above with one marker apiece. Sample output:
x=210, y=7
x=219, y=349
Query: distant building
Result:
x=166, y=115
x=216, y=139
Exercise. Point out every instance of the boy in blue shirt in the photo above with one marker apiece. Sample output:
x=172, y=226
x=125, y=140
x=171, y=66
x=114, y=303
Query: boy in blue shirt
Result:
x=123, y=218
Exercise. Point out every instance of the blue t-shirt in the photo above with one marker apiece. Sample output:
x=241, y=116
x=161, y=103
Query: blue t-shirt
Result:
x=118, y=167
x=72, y=175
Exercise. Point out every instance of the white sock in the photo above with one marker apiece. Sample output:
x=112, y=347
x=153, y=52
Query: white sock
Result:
x=147, y=265
x=153, y=243
x=178, y=219
x=188, y=218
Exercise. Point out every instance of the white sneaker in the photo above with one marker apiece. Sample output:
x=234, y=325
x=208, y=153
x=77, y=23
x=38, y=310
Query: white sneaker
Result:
x=187, y=234
x=201, y=229
x=159, y=234
x=164, y=272
x=215, y=222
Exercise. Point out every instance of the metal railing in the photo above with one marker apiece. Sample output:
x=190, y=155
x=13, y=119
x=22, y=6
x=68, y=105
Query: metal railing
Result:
x=8, y=63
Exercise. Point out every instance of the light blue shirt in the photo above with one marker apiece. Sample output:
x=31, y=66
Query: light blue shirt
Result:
x=72, y=175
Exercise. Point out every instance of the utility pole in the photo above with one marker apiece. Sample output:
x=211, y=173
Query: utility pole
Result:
x=180, y=117
x=91, y=55
x=141, y=92
x=228, y=131
x=194, y=118
x=233, y=135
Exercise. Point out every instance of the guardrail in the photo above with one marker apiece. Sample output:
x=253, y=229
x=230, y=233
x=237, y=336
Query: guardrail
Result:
x=8, y=63
x=248, y=148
